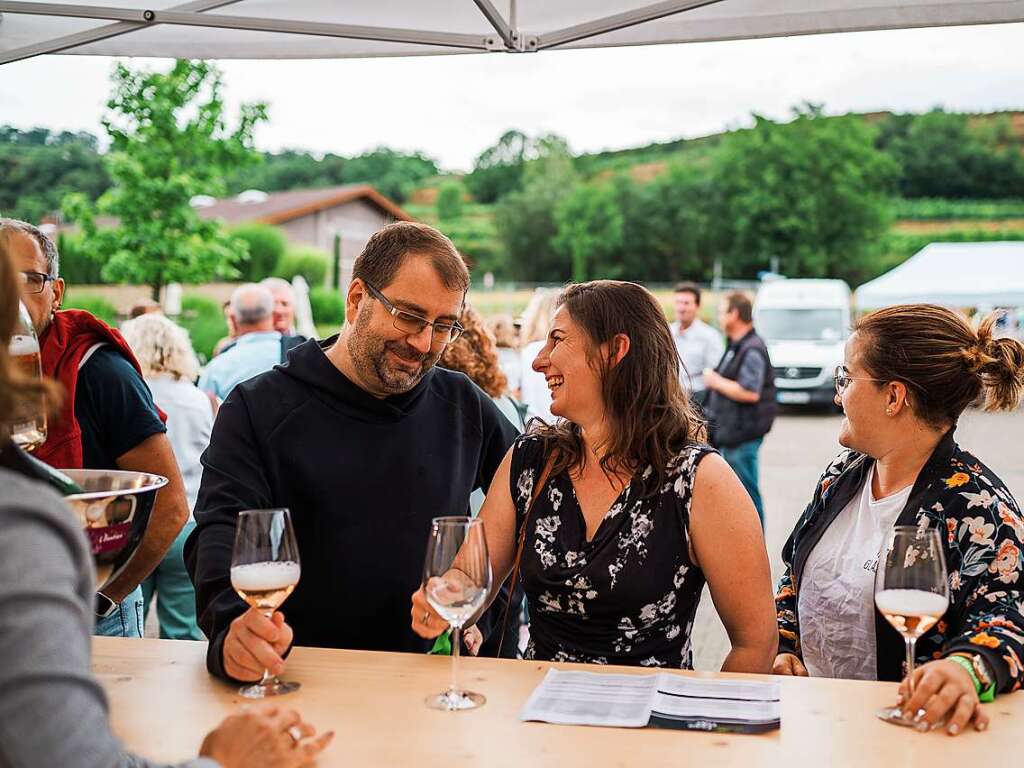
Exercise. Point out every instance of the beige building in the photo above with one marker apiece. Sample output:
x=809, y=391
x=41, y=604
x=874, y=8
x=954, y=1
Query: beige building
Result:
x=314, y=217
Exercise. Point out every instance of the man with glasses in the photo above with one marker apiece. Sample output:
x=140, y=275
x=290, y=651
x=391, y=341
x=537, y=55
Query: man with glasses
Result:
x=108, y=419
x=365, y=441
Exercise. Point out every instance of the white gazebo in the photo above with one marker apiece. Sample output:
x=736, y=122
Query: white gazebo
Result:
x=956, y=275
x=309, y=29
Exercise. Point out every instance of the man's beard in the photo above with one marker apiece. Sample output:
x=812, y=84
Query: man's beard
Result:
x=369, y=352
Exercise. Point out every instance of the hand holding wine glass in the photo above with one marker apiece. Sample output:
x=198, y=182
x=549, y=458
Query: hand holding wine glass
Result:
x=456, y=582
x=912, y=593
x=264, y=571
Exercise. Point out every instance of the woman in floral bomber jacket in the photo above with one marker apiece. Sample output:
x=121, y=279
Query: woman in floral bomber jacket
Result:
x=909, y=373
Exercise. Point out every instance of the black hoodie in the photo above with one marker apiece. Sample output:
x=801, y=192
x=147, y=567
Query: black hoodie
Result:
x=362, y=477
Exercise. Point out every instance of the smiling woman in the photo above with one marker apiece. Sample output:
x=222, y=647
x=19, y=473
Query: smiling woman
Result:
x=617, y=514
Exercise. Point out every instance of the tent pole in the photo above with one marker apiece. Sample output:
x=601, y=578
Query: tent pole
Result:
x=253, y=24
x=497, y=21
x=616, y=22
x=63, y=43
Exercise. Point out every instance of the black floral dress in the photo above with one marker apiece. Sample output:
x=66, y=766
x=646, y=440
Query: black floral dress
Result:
x=629, y=595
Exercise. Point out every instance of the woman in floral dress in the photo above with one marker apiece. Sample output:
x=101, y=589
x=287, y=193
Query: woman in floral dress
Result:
x=909, y=372
x=635, y=513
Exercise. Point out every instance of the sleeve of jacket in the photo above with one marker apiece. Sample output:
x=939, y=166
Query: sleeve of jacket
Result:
x=990, y=531
x=234, y=478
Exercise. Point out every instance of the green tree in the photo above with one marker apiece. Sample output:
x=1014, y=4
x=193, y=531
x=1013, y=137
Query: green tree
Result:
x=813, y=193
x=498, y=170
x=525, y=219
x=449, y=201
x=169, y=142
x=588, y=231
x=266, y=245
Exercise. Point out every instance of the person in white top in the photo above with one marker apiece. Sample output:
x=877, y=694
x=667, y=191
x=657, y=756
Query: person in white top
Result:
x=700, y=346
x=169, y=367
x=506, y=338
x=534, y=335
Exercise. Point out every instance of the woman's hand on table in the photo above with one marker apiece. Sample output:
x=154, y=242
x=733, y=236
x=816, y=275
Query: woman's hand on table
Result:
x=943, y=690
x=264, y=737
x=255, y=643
x=789, y=664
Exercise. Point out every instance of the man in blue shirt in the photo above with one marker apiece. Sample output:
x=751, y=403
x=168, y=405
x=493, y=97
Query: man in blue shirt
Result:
x=257, y=347
x=741, y=407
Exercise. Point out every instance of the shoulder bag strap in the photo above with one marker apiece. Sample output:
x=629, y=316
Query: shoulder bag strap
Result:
x=521, y=539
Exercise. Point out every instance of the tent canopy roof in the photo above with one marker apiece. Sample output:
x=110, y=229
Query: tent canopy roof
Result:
x=954, y=275
x=309, y=29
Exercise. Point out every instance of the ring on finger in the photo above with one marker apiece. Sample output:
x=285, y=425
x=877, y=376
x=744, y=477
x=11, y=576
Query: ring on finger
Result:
x=296, y=733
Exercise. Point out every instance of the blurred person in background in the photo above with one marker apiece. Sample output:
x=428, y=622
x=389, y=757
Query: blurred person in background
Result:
x=108, y=420
x=909, y=372
x=474, y=354
x=741, y=403
x=144, y=307
x=506, y=338
x=256, y=348
x=170, y=367
x=53, y=712
x=533, y=336
x=700, y=346
x=229, y=319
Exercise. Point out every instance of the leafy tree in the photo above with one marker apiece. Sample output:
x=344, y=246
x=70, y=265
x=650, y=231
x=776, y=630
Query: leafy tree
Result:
x=449, y=201
x=169, y=142
x=588, y=231
x=526, y=223
x=394, y=174
x=498, y=170
x=812, y=192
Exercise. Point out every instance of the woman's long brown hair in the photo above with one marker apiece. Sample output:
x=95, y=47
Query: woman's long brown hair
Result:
x=15, y=388
x=650, y=416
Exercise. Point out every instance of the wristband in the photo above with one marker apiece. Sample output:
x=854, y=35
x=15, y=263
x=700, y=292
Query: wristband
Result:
x=985, y=694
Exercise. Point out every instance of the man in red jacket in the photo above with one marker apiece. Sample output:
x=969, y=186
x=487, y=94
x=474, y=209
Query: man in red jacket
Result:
x=108, y=421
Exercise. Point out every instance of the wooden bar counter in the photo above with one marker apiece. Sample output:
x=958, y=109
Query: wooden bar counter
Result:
x=163, y=702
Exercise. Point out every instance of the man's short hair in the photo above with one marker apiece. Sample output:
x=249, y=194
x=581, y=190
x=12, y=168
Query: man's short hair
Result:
x=689, y=288
x=387, y=249
x=739, y=301
x=45, y=243
x=251, y=304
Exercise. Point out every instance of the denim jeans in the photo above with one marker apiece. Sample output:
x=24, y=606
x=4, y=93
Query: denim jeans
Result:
x=175, y=596
x=126, y=621
x=743, y=459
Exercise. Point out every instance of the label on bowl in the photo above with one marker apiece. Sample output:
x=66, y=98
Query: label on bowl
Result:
x=110, y=538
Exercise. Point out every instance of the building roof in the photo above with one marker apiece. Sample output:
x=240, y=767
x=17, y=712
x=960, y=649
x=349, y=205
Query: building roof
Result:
x=280, y=207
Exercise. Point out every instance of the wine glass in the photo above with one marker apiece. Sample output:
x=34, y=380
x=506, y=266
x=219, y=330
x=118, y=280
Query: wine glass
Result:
x=912, y=592
x=264, y=571
x=456, y=580
x=27, y=428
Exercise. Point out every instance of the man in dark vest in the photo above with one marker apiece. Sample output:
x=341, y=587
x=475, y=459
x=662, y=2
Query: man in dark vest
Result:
x=741, y=406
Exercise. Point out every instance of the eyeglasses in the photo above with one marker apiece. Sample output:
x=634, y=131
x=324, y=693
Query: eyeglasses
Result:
x=35, y=282
x=443, y=331
x=843, y=378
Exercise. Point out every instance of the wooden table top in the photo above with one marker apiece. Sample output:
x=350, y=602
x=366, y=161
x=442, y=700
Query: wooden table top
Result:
x=163, y=702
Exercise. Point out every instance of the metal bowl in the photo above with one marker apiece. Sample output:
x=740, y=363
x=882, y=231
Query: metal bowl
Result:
x=114, y=510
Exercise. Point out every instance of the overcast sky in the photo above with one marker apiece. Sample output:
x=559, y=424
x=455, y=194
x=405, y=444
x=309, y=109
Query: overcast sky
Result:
x=452, y=107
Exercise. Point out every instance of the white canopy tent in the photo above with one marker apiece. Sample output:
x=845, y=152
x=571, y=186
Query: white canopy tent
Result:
x=308, y=29
x=955, y=275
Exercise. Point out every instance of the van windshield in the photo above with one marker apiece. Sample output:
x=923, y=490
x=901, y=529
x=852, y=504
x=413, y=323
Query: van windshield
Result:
x=800, y=324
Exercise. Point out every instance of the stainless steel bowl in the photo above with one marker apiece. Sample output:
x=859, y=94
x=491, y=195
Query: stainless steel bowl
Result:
x=114, y=509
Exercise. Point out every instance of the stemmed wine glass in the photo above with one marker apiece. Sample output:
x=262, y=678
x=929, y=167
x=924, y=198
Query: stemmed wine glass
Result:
x=264, y=571
x=912, y=592
x=28, y=427
x=456, y=580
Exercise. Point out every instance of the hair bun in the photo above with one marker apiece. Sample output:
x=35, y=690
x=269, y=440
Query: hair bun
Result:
x=978, y=355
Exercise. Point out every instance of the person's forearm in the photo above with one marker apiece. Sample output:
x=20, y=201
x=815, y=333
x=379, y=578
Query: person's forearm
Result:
x=754, y=658
x=734, y=391
x=169, y=515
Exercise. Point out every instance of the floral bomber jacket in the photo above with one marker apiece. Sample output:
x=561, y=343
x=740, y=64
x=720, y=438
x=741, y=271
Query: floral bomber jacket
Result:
x=983, y=532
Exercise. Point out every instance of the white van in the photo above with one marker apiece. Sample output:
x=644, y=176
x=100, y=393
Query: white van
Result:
x=806, y=324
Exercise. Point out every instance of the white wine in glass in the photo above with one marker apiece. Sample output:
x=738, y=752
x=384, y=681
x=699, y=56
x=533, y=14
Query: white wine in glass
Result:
x=28, y=426
x=264, y=571
x=912, y=593
x=457, y=581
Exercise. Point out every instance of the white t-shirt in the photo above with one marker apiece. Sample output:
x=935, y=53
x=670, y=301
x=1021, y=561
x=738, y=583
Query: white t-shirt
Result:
x=700, y=346
x=534, y=389
x=836, y=602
